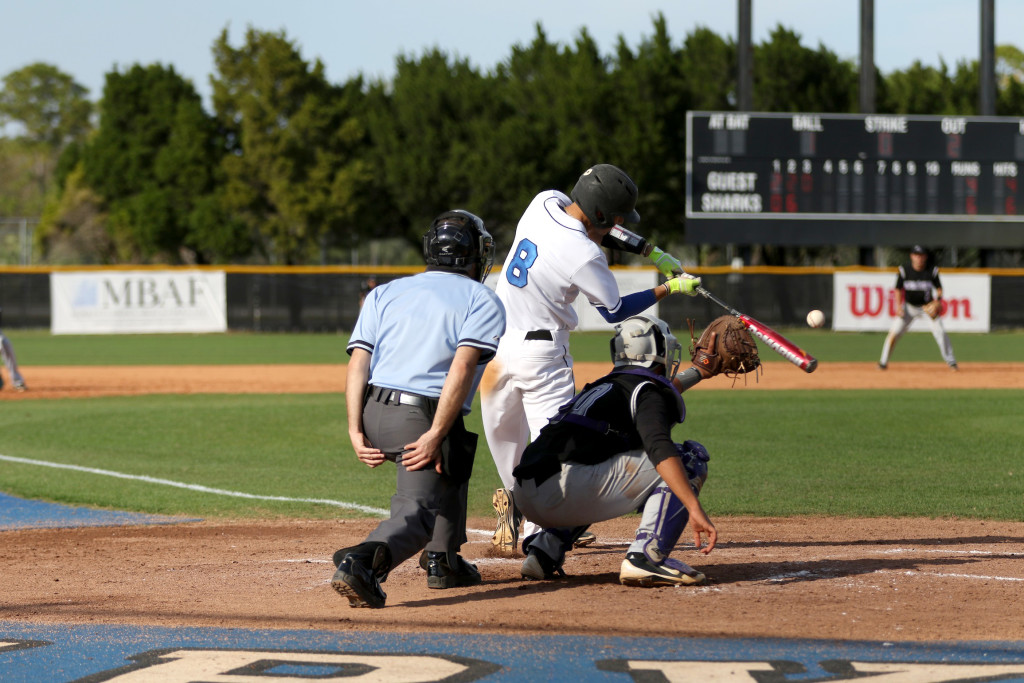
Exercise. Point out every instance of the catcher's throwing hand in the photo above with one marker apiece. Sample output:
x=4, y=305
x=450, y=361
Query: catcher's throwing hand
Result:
x=703, y=525
x=725, y=346
x=933, y=308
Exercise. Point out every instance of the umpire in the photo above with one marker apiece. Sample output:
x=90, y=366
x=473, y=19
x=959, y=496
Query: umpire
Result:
x=418, y=351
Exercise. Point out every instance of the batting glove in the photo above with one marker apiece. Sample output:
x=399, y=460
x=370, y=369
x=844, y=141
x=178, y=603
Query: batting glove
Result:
x=667, y=264
x=684, y=284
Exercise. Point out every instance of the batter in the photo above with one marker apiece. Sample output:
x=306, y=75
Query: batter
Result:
x=556, y=256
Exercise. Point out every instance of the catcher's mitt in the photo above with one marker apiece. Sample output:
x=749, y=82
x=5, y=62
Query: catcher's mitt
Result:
x=933, y=308
x=724, y=347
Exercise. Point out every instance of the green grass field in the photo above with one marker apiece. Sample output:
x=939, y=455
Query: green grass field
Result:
x=857, y=453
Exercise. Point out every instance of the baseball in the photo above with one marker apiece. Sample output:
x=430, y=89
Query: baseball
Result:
x=815, y=318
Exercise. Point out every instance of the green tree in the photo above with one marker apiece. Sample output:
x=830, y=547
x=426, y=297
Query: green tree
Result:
x=51, y=107
x=709, y=66
x=49, y=112
x=790, y=77
x=655, y=87
x=295, y=173
x=556, y=118
x=919, y=89
x=1009, y=64
x=152, y=162
x=435, y=130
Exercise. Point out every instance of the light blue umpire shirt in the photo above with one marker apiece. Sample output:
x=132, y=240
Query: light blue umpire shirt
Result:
x=413, y=325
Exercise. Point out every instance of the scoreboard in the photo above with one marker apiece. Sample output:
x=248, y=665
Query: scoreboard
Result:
x=857, y=179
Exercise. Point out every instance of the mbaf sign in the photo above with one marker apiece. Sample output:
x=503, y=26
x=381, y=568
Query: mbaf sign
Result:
x=110, y=302
x=151, y=292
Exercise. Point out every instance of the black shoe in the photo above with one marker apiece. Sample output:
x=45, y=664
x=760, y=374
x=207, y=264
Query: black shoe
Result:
x=882, y=366
x=441, y=575
x=360, y=572
x=538, y=566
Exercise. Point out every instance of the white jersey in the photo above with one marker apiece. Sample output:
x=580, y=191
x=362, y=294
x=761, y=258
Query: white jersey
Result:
x=552, y=260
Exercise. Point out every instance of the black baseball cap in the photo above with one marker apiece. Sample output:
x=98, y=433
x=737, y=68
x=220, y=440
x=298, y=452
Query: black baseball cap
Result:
x=918, y=249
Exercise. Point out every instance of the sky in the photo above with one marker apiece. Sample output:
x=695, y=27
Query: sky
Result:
x=89, y=38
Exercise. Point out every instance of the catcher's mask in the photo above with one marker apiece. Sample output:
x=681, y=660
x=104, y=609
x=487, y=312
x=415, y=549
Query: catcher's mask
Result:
x=645, y=341
x=457, y=240
x=605, y=192
x=695, y=459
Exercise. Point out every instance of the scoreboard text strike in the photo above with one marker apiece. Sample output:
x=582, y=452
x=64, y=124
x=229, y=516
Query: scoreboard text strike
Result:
x=854, y=179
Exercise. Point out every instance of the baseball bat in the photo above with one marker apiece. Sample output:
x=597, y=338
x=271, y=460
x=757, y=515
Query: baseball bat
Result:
x=785, y=348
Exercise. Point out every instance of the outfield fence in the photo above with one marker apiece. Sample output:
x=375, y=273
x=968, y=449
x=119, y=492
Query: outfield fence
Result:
x=327, y=299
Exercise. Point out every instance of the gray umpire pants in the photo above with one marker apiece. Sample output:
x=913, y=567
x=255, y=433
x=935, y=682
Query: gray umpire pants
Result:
x=428, y=510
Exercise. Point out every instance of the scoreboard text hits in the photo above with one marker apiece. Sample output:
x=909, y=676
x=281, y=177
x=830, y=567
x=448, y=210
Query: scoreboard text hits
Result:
x=855, y=179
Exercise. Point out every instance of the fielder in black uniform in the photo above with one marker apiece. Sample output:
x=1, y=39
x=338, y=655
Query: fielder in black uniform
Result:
x=608, y=452
x=10, y=361
x=916, y=285
x=418, y=350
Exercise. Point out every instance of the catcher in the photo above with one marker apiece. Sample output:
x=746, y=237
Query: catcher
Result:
x=918, y=292
x=609, y=451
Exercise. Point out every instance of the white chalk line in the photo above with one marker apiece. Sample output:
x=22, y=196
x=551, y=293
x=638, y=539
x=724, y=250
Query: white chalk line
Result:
x=953, y=552
x=196, y=487
x=206, y=489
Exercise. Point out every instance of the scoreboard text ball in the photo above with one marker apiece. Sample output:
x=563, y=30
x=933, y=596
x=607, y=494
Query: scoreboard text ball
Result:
x=862, y=179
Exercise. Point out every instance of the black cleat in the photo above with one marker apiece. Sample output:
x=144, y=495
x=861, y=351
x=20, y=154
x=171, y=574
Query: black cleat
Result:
x=441, y=575
x=360, y=572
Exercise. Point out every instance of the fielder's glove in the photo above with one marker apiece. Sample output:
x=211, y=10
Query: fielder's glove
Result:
x=933, y=308
x=684, y=284
x=724, y=347
x=667, y=264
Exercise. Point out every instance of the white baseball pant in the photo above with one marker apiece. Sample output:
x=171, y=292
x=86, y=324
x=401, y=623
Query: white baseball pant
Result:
x=523, y=388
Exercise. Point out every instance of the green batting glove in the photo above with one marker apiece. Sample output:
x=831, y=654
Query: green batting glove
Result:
x=684, y=284
x=667, y=264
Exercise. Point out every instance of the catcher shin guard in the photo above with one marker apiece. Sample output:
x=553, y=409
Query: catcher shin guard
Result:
x=695, y=460
x=662, y=523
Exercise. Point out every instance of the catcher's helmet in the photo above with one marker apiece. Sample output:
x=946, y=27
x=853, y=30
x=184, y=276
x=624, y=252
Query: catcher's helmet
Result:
x=695, y=459
x=457, y=240
x=644, y=341
x=604, y=192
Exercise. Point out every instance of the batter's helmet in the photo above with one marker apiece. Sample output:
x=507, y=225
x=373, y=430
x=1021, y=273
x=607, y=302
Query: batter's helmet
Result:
x=644, y=341
x=457, y=240
x=604, y=192
x=695, y=459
